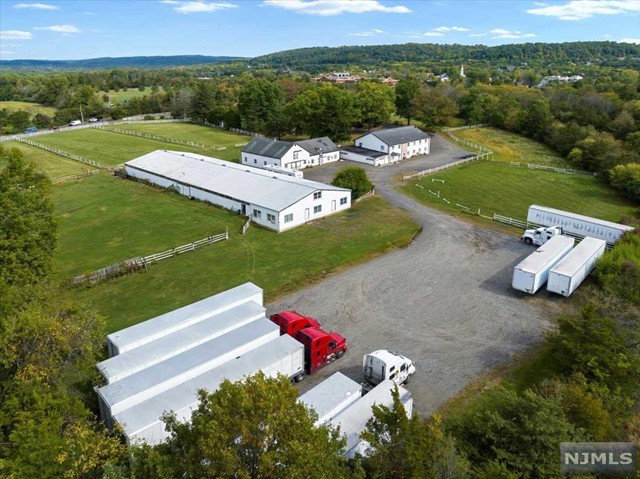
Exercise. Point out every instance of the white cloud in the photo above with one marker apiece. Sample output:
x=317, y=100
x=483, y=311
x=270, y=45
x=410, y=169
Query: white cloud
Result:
x=60, y=29
x=37, y=6
x=477, y=34
x=581, y=9
x=5, y=52
x=630, y=40
x=15, y=35
x=369, y=33
x=198, y=6
x=432, y=34
x=451, y=29
x=335, y=7
x=502, y=33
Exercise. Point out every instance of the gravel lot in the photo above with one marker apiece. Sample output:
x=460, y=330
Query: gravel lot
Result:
x=445, y=301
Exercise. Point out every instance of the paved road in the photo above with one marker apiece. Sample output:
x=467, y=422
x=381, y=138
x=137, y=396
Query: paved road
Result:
x=445, y=301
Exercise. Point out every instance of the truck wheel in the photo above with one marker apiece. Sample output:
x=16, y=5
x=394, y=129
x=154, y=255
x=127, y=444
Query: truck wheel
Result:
x=340, y=353
x=299, y=377
x=408, y=380
x=528, y=241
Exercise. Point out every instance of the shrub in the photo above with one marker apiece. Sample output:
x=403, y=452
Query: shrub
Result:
x=627, y=179
x=353, y=178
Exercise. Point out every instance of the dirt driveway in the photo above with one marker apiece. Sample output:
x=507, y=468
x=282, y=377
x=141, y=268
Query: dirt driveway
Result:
x=445, y=301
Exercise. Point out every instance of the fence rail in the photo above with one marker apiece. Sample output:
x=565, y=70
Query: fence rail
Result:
x=165, y=139
x=60, y=179
x=140, y=263
x=484, y=156
x=64, y=154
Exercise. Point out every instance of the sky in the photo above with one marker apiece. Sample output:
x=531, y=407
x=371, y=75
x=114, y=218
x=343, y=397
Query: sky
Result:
x=77, y=29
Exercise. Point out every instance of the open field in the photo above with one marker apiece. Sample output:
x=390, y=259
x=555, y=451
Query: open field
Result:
x=50, y=164
x=125, y=94
x=32, y=108
x=111, y=148
x=495, y=187
x=104, y=220
x=511, y=147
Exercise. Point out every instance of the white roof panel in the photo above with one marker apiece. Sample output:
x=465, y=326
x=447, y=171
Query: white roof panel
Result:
x=243, y=183
x=577, y=257
x=147, y=331
x=330, y=393
x=540, y=258
x=165, y=347
x=587, y=219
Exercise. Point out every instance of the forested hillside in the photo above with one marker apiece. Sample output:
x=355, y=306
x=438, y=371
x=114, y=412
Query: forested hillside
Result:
x=114, y=62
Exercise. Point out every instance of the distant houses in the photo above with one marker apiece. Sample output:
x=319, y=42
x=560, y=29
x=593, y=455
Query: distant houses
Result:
x=559, y=79
x=346, y=77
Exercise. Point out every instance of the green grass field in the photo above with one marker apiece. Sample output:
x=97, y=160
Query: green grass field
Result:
x=125, y=94
x=511, y=147
x=111, y=148
x=209, y=137
x=496, y=187
x=105, y=219
x=50, y=164
x=32, y=108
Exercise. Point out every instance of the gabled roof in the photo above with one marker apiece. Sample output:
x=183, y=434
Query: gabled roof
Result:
x=268, y=148
x=398, y=136
x=315, y=145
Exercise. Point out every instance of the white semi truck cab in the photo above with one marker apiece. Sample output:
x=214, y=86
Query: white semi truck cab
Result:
x=540, y=236
x=382, y=364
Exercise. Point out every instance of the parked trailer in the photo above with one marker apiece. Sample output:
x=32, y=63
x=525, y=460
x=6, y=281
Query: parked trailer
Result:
x=155, y=328
x=577, y=224
x=331, y=397
x=353, y=420
x=532, y=273
x=132, y=361
x=573, y=269
x=178, y=369
x=142, y=422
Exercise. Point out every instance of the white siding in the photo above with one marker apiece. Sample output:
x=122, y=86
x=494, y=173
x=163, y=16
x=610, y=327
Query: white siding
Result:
x=351, y=156
x=327, y=202
x=419, y=147
x=372, y=142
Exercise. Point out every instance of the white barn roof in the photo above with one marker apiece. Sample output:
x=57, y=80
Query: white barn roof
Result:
x=232, y=180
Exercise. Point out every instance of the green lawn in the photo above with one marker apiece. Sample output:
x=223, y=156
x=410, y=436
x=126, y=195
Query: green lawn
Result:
x=111, y=148
x=32, y=108
x=125, y=94
x=104, y=219
x=50, y=164
x=496, y=187
x=511, y=147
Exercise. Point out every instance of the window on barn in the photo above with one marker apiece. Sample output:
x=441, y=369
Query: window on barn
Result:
x=257, y=214
x=317, y=195
x=271, y=218
x=295, y=155
x=288, y=218
x=255, y=162
x=317, y=209
x=343, y=201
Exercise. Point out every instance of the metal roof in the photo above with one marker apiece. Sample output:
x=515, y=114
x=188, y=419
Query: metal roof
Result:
x=540, y=258
x=180, y=368
x=363, y=151
x=330, y=394
x=268, y=148
x=586, y=219
x=577, y=257
x=182, y=399
x=316, y=146
x=242, y=183
x=155, y=328
x=398, y=136
x=129, y=362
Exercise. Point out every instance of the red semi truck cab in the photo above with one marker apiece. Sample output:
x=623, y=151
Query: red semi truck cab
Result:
x=291, y=322
x=320, y=347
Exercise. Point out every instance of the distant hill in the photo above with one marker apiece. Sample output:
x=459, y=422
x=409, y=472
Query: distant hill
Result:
x=319, y=58
x=116, y=62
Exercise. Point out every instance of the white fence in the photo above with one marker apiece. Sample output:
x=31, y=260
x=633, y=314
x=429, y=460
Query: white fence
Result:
x=485, y=156
x=150, y=136
x=569, y=171
x=170, y=253
x=61, y=179
x=64, y=154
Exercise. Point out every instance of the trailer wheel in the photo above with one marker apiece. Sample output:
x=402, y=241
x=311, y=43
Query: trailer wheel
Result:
x=528, y=241
x=340, y=353
x=408, y=380
x=299, y=377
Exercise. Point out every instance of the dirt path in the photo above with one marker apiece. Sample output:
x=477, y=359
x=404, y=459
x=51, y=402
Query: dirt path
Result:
x=445, y=301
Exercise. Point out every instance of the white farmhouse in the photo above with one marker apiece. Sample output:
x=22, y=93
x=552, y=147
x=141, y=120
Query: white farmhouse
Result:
x=275, y=201
x=263, y=153
x=397, y=143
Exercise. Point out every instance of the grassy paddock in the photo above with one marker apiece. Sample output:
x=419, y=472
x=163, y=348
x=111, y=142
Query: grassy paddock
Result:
x=50, y=164
x=495, y=187
x=511, y=147
x=105, y=219
x=32, y=108
x=127, y=93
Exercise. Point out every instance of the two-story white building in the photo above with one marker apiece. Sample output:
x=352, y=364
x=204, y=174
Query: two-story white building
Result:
x=275, y=201
x=262, y=153
x=387, y=146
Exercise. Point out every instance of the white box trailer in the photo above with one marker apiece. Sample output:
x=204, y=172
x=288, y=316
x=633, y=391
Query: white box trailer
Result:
x=145, y=384
x=134, y=360
x=155, y=328
x=331, y=396
x=353, y=420
x=577, y=224
x=143, y=423
x=532, y=272
x=573, y=269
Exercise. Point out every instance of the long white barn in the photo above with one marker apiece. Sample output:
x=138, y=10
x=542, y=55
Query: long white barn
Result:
x=275, y=201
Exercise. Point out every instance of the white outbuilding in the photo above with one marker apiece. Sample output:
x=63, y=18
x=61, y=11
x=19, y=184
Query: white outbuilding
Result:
x=275, y=201
x=292, y=156
x=398, y=143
